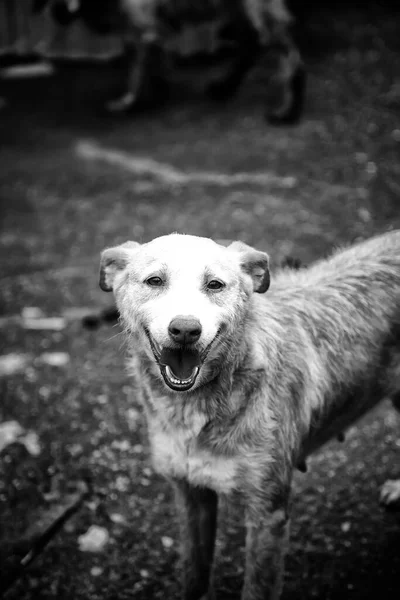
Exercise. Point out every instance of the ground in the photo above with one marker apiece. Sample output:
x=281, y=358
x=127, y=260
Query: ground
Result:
x=72, y=182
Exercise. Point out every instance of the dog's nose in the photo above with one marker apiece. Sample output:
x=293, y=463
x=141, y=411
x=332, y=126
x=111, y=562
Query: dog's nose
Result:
x=184, y=330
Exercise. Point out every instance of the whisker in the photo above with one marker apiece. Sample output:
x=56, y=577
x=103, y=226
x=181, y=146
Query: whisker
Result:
x=114, y=336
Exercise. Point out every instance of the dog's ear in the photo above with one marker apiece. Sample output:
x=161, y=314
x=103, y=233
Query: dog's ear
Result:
x=254, y=263
x=114, y=260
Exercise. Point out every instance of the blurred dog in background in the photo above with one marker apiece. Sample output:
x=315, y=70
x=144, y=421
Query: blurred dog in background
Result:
x=153, y=30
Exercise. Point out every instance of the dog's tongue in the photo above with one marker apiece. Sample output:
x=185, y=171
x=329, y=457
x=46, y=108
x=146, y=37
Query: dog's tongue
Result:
x=181, y=362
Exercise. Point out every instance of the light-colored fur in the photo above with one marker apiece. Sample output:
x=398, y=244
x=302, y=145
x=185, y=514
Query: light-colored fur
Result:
x=285, y=371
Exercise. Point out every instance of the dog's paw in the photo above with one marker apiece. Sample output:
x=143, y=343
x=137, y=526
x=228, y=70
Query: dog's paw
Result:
x=390, y=493
x=209, y=596
x=122, y=104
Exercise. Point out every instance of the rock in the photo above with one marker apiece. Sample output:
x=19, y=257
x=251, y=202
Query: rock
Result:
x=94, y=540
x=13, y=363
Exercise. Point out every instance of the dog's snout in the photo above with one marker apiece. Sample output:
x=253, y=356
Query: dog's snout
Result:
x=184, y=330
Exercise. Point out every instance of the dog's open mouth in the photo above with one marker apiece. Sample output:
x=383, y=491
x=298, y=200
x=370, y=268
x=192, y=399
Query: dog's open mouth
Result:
x=180, y=367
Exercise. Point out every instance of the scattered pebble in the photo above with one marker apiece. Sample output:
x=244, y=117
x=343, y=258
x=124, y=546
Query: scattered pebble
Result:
x=92, y=504
x=13, y=363
x=94, y=540
x=55, y=359
x=144, y=574
x=96, y=571
x=345, y=527
x=167, y=542
x=122, y=483
x=10, y=431
x=75, y=449
x=364, y=215
x=117, y=518
x=102, y=399
x=121, y=445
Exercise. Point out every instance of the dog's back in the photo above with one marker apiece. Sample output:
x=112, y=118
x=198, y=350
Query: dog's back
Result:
x=337, y=328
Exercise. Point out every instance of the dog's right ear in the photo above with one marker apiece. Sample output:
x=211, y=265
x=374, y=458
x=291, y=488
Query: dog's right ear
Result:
x=112, y=261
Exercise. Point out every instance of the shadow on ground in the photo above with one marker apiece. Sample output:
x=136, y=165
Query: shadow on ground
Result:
x=332, y=179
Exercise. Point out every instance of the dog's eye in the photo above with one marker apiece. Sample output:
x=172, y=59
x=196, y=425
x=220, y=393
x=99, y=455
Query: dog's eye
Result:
x=154, y=281
x=215, y=285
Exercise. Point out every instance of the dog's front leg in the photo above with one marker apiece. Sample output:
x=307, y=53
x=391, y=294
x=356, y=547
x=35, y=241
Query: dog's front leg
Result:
x=145, y=85
x=266, y=543
x=197, y=513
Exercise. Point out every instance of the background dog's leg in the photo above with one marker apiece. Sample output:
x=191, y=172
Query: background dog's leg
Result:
x=266, y=544
x=248, y=47
x=197, y=512
x=287, y=82
x=390, y=491
x=145, y=84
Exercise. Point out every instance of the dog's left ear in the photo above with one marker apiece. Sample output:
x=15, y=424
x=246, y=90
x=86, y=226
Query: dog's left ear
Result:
x=112, y=261
x=254, y=263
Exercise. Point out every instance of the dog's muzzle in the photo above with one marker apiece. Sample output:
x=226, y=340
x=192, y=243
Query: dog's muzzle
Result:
x=179, y=365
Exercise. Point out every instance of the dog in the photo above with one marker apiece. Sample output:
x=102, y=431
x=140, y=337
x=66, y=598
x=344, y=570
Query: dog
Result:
x=239, y=386
x=156, y=29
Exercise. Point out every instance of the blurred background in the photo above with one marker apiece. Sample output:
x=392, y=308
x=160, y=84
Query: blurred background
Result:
x=73, y=180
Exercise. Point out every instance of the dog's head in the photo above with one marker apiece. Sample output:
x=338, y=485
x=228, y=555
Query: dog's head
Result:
x=183, y=296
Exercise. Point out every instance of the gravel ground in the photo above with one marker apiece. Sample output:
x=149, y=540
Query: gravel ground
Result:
x=330, y=180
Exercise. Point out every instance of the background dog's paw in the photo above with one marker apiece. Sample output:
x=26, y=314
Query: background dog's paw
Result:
x=209, y=596
x=122, y=104
x=390, y=493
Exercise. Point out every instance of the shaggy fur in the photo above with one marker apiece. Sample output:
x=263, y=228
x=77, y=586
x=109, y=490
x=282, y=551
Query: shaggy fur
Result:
x=283, y=373
x=258, y=29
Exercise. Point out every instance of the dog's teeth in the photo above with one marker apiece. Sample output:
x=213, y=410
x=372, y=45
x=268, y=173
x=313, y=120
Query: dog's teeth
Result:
x=177, y=381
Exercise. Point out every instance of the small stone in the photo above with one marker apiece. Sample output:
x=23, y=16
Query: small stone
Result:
x=94, y=540
x=167, y=542
x=144, y=574
x=364, y=215
x=10, y=431
x=12, y=363
x=122, y=483
x=96, y=571
x=121, y=445
x=117, y=518
x=345, y=527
